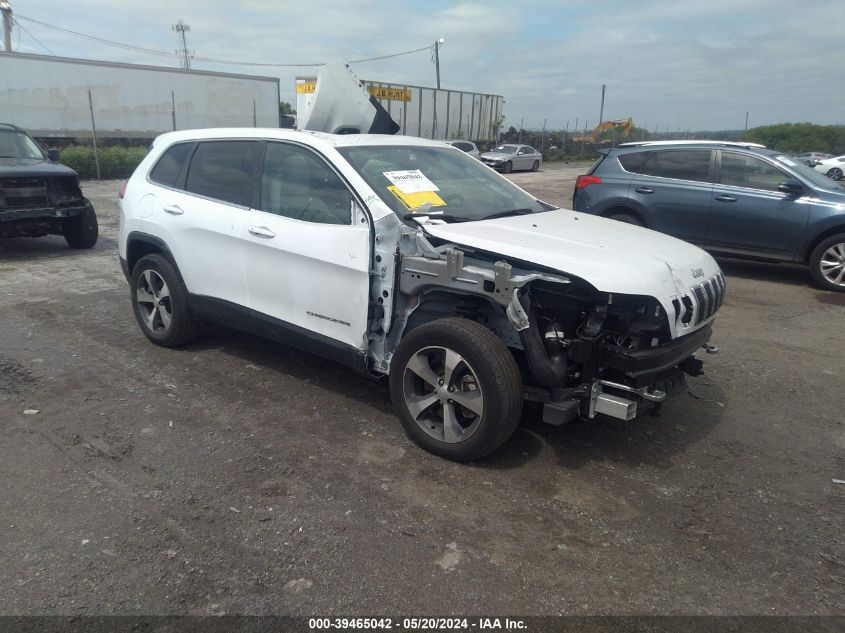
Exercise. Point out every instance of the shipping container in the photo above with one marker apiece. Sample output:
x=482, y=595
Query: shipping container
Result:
x=64, y=97
x=425, y=112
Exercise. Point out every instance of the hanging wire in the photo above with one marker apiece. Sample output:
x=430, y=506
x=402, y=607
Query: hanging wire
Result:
x=152, y=51
x=22, y=28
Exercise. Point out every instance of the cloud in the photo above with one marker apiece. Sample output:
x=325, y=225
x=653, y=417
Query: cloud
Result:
x=676, y=64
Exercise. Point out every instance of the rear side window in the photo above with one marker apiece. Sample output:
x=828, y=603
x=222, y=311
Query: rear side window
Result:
x=684, y=164
x=632, y=162
x=223, y=170
x=169, y=166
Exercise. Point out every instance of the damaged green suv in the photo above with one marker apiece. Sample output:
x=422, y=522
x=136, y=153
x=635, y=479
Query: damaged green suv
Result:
x=39, y=196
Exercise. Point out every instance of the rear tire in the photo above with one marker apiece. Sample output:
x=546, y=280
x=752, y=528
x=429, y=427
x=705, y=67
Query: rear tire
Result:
x=535, y=166
x=835, y=173
x=627, y=218
x=508, y=168
x=160, y=302
x=827, y=263
x=457, y=389
x=83, y=230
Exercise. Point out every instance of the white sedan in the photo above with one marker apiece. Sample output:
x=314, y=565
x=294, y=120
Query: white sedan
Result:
x=832, y=167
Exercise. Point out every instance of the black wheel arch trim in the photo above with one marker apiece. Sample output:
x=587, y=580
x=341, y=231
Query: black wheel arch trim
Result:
x=138, y=237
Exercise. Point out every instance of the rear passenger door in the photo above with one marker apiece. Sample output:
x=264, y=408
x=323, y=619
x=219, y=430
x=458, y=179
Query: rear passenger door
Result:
x=750, y=216
x=674, y=187
x=202, y=213
x=309, y=249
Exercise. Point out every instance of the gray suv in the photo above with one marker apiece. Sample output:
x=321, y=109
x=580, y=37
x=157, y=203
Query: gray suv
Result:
x=734, y=199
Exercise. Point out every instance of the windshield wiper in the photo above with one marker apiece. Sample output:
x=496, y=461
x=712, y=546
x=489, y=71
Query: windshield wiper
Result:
x=437, y=216
x=506, y=214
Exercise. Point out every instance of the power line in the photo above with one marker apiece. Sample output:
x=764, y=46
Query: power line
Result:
x=211, y=60
x=43, y=45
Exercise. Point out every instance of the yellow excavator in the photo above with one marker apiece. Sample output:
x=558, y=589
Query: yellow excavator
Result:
x=626, y=125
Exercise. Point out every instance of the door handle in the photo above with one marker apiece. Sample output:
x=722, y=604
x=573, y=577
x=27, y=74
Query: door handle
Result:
x=644, y=190
x=725, y=198
x=261, y=231
x=173, y=209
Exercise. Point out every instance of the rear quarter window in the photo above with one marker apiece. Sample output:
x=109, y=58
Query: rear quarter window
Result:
x=632, y=162
x=166, y=171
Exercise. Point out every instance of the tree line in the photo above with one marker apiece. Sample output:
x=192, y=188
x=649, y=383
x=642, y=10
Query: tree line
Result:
x=796, y=138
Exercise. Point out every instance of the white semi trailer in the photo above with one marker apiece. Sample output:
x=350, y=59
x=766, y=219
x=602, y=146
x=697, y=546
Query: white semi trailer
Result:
x=64, y=97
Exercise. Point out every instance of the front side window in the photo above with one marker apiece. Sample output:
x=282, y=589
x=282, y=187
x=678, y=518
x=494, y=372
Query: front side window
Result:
x=684, y=164
x=169, y=166
x=298, y=184
x=739, y=170
x=223, y=170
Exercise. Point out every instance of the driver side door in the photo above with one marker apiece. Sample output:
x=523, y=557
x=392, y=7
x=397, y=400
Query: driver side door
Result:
x=308, y=262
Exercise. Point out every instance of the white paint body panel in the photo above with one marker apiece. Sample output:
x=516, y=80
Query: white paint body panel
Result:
x=314, y=276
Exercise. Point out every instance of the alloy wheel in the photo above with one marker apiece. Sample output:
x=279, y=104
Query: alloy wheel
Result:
x=153, y=298
x=832, y=264
x=443, y=394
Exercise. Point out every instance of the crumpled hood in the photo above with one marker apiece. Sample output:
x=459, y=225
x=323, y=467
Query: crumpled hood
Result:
x=610, y=255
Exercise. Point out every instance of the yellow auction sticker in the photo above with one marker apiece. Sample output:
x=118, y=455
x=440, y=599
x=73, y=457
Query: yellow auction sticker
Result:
x=306, y=87
x=414, y=201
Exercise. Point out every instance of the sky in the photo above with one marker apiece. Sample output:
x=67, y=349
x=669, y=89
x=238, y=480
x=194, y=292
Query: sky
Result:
x=670, y=65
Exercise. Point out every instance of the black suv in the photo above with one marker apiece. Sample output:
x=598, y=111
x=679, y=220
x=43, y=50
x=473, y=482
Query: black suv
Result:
x=735, y=199
x=38, y=196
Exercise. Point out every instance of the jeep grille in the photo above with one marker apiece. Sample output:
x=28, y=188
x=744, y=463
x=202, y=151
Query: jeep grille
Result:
x=701, y=303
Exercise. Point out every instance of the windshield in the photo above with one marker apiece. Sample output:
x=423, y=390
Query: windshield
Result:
x=505, y=149
x=18, y=145
x=808, y=173
x=438, y=182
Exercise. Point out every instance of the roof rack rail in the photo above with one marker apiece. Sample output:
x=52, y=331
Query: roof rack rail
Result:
x=703, y=142
x=11, y=126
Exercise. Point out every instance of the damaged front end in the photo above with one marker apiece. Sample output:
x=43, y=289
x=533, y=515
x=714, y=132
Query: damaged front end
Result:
x=582, y=352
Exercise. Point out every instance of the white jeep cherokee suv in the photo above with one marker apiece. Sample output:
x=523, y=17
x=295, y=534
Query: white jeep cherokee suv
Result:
x=407, y=258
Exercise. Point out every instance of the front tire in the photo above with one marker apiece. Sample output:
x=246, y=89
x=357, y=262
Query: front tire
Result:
x=457, y=389
x=160, y=302
x=827, y=263
x=82, y=230
x=508, y=168
x=835, y=173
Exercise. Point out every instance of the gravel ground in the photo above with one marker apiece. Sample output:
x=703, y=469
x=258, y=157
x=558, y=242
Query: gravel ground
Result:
x=240, y=476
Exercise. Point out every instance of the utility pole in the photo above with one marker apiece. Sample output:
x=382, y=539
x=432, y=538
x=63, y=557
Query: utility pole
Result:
x=437, y=45
x=601, y=111
x=746, y=117
x=6, y=8
x=181, y=28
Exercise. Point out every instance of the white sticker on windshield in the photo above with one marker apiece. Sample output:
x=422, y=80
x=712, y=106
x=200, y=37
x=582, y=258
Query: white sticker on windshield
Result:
x=786, y=161
x=410, y=181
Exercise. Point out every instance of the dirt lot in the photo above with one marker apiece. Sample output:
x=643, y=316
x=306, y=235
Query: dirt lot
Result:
x=238, y=476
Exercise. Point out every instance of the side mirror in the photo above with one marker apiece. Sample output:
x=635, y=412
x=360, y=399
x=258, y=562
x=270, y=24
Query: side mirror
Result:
x=791, y=187
x=53, y=154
